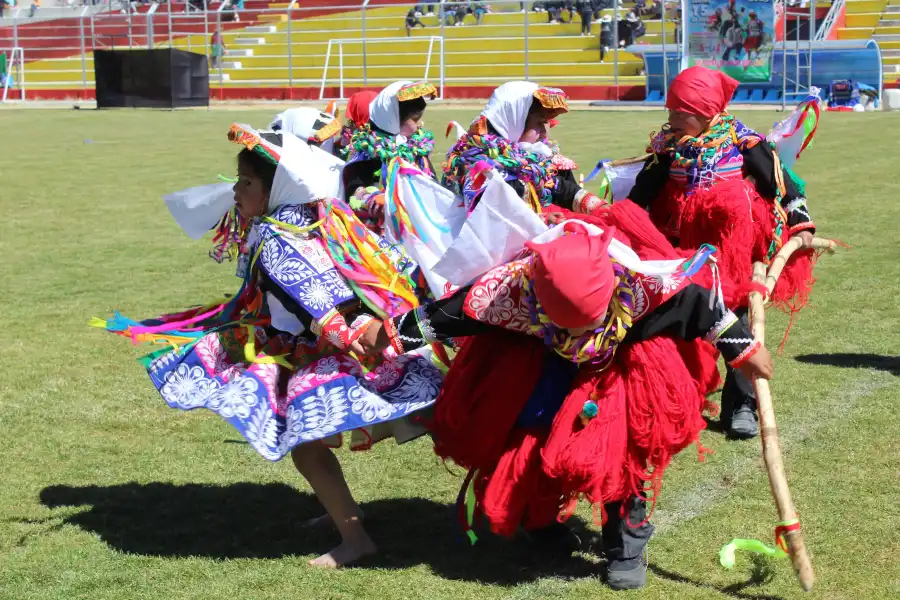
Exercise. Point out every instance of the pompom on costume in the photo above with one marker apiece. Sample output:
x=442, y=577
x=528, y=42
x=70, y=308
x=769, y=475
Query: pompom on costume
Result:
x=273, y=361
x=602, y=414
x=727, y=188
x=357, y=117
x=374, y=144
x=538, y=172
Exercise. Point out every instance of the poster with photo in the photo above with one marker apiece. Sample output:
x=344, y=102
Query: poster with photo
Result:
x=734, y=36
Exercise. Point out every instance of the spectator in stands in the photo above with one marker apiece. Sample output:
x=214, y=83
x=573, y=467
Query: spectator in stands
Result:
x=481, y=9
x=460, y=14
x=569, y=5
x=606, y=36
x=554, y=11
x=446, y=15
x=217, y=49
x=638, y=29
x=411, y=21
x=35, y=5
x=586, y=12
x=2, y=8
x=420, y=10
x=640, y=7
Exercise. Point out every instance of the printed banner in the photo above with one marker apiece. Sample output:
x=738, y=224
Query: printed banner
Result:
x=734, y=36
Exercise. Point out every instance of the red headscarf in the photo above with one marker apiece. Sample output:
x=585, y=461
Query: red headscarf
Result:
x=573, y=278
x=358, y=107
x=701, y=91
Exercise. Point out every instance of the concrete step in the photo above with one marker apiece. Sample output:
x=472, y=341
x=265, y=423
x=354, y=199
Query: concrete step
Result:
x=214, y=77
x=890, y=53
x=261, y=29
x=255, y=41
x=892, y=9
x=890, y=69
x=232, y=64
x=243, y=52
x=890, y=22
x=892, y=37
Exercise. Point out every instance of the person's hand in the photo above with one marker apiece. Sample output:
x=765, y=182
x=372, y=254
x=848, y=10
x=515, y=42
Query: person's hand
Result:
x=356, y=348
x=807, y=237
x=374, y=339
x=759, y=365
x=554, y=218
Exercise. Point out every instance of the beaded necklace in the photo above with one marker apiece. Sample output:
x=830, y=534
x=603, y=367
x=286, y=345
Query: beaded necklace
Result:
x=527, y=167
x=597, y=347
x=384, y=147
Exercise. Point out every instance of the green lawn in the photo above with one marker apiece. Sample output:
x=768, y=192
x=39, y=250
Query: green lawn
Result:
x=107, y=493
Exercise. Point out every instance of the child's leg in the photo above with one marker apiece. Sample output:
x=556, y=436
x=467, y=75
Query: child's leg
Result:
x=318, y=464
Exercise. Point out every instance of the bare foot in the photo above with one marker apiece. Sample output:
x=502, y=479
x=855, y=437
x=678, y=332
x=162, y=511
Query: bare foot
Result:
x=324, y=521
x=346, y=553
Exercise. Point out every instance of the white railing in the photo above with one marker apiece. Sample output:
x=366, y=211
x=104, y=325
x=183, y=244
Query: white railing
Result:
x=340, y=49
x=15, y=69
x=837, y=7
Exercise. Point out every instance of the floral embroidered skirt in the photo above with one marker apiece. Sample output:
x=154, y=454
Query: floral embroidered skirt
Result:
x=318, y=398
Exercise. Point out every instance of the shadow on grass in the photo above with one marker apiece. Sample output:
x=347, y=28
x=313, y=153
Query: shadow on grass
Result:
x=247, y=520
x=762, y=573
x=891, y=364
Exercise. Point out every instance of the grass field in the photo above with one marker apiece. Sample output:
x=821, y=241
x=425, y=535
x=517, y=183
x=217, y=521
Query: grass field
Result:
x=107, y=494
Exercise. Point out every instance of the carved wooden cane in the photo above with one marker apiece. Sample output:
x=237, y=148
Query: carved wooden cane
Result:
x=768, y=428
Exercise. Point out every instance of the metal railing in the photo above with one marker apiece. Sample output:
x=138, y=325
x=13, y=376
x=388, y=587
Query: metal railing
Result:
x=289, y=47
x=14, y=75
x=837, y=7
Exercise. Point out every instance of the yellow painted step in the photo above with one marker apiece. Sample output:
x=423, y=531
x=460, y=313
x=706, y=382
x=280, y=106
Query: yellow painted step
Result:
x=862, y=33
x=509, y=71
x=863, y=20
x=636, y=80
x=272, y=18
x=451, y=59
x=865, y=6
x=33, y=77
x=278, y=46
x=889, y=45
x=887, y=31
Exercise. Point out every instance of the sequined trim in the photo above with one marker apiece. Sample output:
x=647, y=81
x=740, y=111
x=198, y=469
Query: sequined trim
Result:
x=419, y=89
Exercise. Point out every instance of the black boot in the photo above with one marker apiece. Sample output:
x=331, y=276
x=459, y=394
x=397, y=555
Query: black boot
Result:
x=625, y=541
x=738, y=417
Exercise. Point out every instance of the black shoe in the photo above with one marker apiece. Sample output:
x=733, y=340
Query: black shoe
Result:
x=628, y=574
x=744, y=424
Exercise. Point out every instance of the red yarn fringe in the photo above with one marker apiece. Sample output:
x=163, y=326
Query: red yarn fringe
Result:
x=487, y=387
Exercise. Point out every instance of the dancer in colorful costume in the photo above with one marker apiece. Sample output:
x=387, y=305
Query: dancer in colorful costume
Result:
x=280, y=361
x=712, y=180
x=607, y=427
x=357, y=118
x=314, y=127
x=394, y=130
x=510, y=135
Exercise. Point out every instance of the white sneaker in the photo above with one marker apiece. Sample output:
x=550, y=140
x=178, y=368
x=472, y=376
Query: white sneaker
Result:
x=431, y=14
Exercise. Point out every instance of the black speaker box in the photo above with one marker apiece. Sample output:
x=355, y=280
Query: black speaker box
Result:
x=165, y=78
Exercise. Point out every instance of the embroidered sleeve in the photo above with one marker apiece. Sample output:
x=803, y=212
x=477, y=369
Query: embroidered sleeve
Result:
x=434, y=322
x=303, y=271
x=690, y=315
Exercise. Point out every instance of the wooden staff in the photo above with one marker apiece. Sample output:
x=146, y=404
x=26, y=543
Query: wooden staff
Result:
x=768, y=428
x=792, y=245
